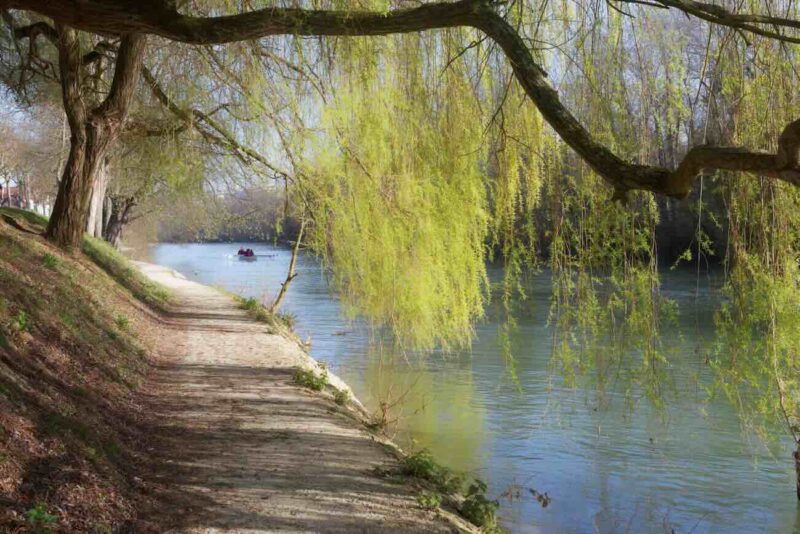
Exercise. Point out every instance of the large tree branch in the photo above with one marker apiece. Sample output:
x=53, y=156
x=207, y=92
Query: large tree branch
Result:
x=126, y=75
x=757, y=23
x=221, y=135
x=71, y=61
x=69, y=66
x=161, y=18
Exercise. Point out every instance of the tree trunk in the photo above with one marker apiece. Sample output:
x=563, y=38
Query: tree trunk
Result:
x=290, y=275
x=91, y=131
x=106, y=213
x=119, y=216
x=95, y=225
x=113, y=232
x=71, y=210
x=797, y=469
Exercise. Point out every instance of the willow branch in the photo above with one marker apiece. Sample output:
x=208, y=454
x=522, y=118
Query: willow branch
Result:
x=192, y=117
x=160, y=17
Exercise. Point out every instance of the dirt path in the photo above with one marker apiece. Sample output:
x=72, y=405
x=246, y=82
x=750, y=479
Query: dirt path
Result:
x=246, y=450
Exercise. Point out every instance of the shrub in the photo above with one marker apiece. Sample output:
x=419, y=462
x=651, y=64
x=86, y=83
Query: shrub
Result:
x=429, y=501
x=422, y=465
x=249, y=304
x=49, y=261
x=480, y=510
x=341, y=397
x=39, y=519
x=21, y=321
x=122, y=322
x=309, y=379
x=288, y=319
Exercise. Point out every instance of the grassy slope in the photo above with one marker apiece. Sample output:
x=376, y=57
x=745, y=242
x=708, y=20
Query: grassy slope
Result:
x=71, y=427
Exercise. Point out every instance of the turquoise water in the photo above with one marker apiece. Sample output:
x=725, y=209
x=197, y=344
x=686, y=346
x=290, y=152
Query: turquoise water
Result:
x=605, y=467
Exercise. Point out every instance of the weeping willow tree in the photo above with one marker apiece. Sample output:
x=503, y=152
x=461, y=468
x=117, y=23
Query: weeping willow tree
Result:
x=417, y=157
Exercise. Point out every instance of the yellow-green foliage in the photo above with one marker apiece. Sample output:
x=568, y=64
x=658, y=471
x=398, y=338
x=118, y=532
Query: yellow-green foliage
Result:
x=417, y=158
x=399, y=201
x=756, y=358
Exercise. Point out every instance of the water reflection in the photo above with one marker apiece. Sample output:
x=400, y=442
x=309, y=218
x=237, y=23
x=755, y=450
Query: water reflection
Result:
x=434, y=406
x=607, y=468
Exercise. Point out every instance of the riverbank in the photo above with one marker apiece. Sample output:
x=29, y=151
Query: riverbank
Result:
x=152, y=404
x=249, y=449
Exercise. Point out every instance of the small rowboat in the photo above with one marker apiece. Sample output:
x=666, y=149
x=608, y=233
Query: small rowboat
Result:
x=242, y=257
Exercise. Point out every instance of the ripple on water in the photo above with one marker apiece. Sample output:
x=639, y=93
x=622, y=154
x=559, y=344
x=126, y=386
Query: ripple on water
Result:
x=606, y=469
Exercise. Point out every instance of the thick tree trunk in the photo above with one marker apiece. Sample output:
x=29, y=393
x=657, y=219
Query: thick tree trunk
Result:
x=71, y=210
x=91, y=131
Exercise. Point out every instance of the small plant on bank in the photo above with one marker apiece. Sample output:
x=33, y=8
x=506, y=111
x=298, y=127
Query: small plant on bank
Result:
x=288, y=319
x=21, y=321
x=429, y=501
x=479, y=509
x=311, y=380
x=341, y=397
x=39, y=519
x=49, y=261
x=262, y=315
x=122, y=323
x=422, y=465
x=249, y=304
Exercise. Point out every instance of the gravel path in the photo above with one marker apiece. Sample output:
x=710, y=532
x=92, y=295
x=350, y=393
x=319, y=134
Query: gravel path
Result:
x=243, y=449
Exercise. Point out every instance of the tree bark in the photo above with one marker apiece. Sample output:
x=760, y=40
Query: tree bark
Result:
x=96, y=221
x=113, y=232
x=290, y=275
x=91, y=131
x=797, y=469
x=119, y=216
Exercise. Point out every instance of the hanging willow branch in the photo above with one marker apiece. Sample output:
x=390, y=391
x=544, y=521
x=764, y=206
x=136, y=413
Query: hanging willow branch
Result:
x=161, y=17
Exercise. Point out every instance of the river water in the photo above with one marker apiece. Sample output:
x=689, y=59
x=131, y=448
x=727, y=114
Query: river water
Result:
x=605, y=467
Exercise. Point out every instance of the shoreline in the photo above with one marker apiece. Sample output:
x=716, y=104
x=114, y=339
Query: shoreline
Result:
x=251, y=402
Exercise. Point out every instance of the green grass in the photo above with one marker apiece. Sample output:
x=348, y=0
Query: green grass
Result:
x=21, y=322
x=249, y=304
x=480, y=510
x=422, y=465
x=429, y=501
x=122, y=323
x=30, y=217
x=121, y=269
x=311, y=380
x=288, y=319
x=49, y=261
x=68, y=319
x=39, y=519
x=476, y=507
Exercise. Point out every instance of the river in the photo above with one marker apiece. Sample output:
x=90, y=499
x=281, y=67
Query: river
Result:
x=605, y=467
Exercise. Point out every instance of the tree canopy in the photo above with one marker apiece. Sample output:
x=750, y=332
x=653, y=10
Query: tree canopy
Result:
x=471, y=130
